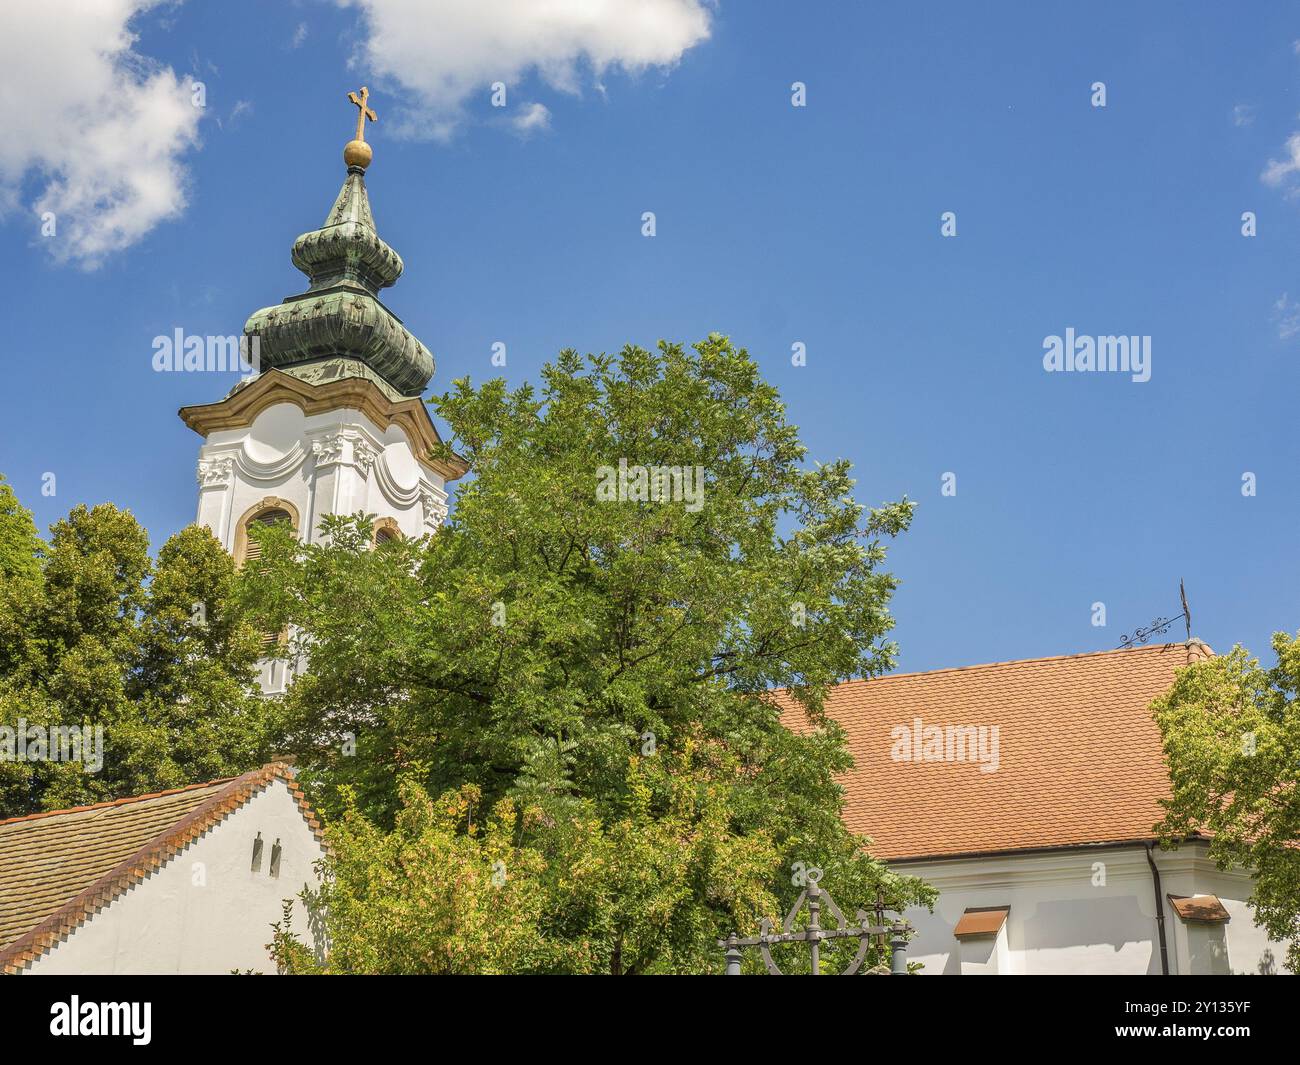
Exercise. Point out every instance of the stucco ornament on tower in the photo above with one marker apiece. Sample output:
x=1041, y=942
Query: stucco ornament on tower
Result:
x=348, y=446
x=215, y=473
x=435, y=508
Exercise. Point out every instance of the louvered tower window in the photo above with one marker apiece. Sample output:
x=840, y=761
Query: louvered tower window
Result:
x=247, y=549
x=253, y=549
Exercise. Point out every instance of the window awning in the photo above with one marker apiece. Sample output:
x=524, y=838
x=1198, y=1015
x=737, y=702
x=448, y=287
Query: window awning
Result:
x=1199, y=908
x=981, y=921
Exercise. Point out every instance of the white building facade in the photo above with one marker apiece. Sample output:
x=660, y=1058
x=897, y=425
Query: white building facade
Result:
x=1029, y=793
x=339, y=460
x=1089, y=911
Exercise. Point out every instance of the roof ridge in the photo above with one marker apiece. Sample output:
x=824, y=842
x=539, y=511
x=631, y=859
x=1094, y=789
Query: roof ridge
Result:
x=119, y=802
x=156, y=852
x=1013, y=662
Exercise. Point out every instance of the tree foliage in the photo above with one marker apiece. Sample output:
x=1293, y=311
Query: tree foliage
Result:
x=20, y=546
x=1231, y=735
x=547, y=635
x=452, y=889
x=93, y=633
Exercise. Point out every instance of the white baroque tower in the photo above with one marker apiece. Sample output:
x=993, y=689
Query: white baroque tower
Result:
x=333, y=422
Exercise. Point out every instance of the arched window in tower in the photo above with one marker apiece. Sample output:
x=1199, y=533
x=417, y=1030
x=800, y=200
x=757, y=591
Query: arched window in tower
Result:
x=269, y=511
x=386, y=529
x=253, y=547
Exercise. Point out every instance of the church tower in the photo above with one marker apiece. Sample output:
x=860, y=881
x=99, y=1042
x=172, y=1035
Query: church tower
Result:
x=332, y=421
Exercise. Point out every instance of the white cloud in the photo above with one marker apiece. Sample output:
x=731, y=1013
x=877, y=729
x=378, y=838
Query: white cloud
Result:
x=532, y=118
x=1243, y=115
x=241, y=108
x=299, y=35
x=101, y=127
x=1287, y=317
x=442, y=51
x=1280, y=171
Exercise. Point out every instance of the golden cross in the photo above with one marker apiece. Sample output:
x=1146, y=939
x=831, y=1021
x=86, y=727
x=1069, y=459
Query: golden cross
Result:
x=363, y=112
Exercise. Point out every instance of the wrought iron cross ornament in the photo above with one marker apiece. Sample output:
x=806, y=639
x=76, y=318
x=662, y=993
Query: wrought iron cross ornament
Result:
x=1161, y=625
x=815, y=935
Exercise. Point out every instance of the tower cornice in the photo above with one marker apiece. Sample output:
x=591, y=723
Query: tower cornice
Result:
x=239, y=410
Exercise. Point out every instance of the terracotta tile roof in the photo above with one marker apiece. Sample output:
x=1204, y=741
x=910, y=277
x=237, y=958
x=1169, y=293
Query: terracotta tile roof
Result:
x=61, y=867
x=1079, y=756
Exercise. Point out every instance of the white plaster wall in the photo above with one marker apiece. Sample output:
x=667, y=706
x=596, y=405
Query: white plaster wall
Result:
x=1249, y=948
x=985, y=955
x=170, y=923
x=1070, y=914
x=372, y=471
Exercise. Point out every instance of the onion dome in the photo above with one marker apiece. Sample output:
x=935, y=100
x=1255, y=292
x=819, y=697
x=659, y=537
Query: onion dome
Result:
x=340, y=317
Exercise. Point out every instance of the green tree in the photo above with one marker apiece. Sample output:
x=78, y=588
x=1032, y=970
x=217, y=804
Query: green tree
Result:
x=21, y=551
x=549, y=632
x=20, y=545
x=443, y=893
x=1231, y=735
x=154, y=653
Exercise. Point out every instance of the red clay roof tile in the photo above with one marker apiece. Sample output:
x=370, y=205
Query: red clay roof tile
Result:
x=1078, y=762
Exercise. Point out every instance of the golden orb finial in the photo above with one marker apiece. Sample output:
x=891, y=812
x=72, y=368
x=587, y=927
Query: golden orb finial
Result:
x=357, y=152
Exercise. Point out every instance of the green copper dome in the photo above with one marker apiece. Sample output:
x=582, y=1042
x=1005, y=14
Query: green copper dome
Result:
x=340, y=316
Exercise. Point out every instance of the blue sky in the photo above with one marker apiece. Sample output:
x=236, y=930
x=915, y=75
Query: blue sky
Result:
x=775, y=225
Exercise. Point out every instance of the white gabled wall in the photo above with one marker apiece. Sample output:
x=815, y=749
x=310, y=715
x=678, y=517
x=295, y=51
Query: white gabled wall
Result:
x=205, y=911
x=1087, y=910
